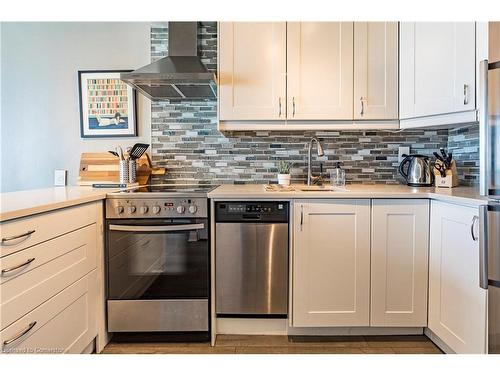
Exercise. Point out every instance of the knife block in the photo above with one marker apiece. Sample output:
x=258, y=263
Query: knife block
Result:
x=451, y=179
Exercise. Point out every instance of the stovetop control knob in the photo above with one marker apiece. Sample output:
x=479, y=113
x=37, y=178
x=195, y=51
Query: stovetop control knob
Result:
x=156, y=209
x=181, y=209
x=192, y=209
x=131, y=209
x=144, y=209
x=119, y=210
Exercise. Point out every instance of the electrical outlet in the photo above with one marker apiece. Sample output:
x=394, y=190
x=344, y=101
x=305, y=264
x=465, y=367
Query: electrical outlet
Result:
x=60, y=177
x=401, y=151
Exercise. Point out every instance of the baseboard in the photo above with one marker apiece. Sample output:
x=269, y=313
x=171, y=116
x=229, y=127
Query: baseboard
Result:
x=90, y=348
x=436, y=340
x=355, y=331
x=240, y=326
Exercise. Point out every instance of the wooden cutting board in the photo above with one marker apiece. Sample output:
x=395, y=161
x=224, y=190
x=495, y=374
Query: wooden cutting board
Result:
x=103, y=167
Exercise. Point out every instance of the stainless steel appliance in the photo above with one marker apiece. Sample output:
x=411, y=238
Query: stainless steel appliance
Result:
x=181, y=75
x=417, y=170
x=251, y=258
x=157, y=260
x=489, y=129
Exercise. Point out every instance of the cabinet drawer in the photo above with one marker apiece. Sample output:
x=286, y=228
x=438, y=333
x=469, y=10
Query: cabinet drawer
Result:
x=39, y=228
x=55, y=265
x=63, y=324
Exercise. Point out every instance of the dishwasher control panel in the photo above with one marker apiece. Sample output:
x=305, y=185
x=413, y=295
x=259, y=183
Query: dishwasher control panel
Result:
x=252, y=211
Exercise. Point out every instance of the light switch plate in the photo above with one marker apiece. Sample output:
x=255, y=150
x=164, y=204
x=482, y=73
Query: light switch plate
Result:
x=60, y=177
x=401, y=151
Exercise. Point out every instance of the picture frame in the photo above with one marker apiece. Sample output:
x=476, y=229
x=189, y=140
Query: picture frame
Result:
x=108, y=106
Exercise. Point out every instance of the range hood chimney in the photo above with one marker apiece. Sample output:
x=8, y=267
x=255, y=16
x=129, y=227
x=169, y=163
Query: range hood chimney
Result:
x=181, y=75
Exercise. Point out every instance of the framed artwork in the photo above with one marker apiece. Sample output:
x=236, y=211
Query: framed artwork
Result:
x=107, y=105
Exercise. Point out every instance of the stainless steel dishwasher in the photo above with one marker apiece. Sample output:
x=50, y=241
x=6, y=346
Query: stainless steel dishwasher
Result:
x=251, y=259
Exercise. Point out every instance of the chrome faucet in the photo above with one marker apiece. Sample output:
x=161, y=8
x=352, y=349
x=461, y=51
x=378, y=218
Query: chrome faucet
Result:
x=310, y=178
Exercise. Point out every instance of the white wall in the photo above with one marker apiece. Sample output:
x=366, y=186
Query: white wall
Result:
x=40, y=124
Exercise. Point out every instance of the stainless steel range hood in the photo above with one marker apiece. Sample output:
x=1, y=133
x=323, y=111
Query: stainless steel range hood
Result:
x=181, y=75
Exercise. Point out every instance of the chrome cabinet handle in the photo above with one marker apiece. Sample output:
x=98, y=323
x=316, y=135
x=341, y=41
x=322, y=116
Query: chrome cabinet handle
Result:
x=483, y=247
x=279, y=102
x=466, y=94
x=20, y=334
x=362, y=106
x=474, y=219
x=7, y=270
x=301, y=216
x=17, y=236
x=293, y=106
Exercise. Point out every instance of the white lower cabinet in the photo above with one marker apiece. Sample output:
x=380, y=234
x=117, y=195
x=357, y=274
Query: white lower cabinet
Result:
x=66, y=323
x=331, y=263
x=457, y=305
x=51, y=298
x=399, y=262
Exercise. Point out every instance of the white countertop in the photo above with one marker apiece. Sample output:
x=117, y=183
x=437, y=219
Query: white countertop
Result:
x=461, y=195
x=29, y=202
x=18, y=204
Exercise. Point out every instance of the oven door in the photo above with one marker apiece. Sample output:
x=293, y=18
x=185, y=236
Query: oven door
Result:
x=157, y=259
x=157, y=274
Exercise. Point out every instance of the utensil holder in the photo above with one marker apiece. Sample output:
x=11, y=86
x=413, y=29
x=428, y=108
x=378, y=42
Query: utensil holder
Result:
x=124, y=175
x=451, y=178
x=132, y=171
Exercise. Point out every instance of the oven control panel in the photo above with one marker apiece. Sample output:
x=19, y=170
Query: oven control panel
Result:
x=122, y=208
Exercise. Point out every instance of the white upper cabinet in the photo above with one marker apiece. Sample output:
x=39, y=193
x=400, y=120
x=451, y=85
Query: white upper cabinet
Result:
x=307, y=71
x=252, y=70
x=331, y=263
x=319, y=70
x=437, y=69
x=457, y=305
x=399, y=262
x=375, y=70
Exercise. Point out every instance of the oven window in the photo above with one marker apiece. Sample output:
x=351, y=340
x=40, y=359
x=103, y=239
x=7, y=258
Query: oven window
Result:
x=169, y=264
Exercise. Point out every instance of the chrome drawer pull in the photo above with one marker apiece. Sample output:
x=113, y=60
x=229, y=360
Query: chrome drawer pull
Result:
x=28, y=233
x=6, y=270
x=20, y=334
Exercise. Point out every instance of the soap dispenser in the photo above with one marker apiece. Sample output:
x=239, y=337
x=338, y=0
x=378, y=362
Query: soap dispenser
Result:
x=337, y=176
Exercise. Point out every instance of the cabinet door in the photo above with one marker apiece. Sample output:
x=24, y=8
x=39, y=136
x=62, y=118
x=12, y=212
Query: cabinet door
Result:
x=331, y=264
x=457, y=305
x=375, y=70
x=399, y=262
x=252, y=70
x=319, y=70
x=437, y=68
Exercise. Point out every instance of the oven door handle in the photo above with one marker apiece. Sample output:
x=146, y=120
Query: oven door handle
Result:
x=155, y=228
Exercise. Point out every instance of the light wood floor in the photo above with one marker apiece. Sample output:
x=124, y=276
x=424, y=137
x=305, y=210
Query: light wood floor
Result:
x=246, y=344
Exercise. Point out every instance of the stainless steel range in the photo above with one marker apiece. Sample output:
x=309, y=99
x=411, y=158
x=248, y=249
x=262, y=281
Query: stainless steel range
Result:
x=157, y=260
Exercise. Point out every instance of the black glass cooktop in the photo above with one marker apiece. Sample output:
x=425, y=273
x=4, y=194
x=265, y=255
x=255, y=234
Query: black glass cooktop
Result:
x=172, y=189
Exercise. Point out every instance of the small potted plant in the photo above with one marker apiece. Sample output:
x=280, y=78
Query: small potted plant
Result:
x=284, y=172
